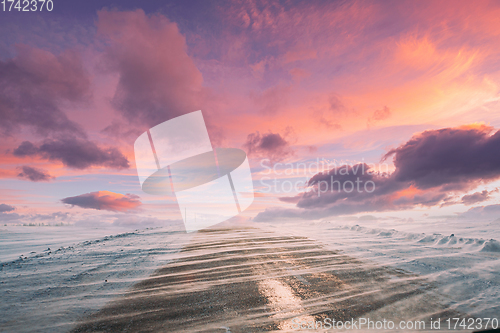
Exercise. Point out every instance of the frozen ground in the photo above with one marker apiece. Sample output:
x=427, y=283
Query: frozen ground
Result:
x=50, y=290
x=461, y=256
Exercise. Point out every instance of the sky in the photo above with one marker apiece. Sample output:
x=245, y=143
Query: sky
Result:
x=346, y=109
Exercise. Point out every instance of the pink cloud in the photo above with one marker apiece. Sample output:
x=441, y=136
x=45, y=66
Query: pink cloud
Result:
x=299, y=74
x=379, y=115
x=157, y=78
x=272, y=100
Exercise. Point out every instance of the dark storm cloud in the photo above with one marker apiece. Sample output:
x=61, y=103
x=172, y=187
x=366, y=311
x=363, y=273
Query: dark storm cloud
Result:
x=270, y=145
x=26, y=148
x=33, y=84
x=105, y=200
x=350, y=190
x=75, y=153
x=432, y=168
x=34, y=174
x=456, y=157
x=336, y=185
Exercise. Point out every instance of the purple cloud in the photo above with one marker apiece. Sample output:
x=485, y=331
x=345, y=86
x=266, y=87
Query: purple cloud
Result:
x=270, y=145
x=482, y=212
x=26, y=148
x=6, y=208
x=74, y=153
x=350, y=190
x=476, y=197
x=458, y=158
x=34, y=174
x=432, y=168
x=272, y=100
x=32, y=86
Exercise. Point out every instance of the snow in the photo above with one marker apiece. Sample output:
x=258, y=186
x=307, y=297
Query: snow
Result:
x=52, y=289
x=461, y=256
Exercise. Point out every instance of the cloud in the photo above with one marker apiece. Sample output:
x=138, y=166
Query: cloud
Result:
x=157, y=78
x=128, y=220
x=333, y=113
x=458, y=158
x=51, y=218
x=271, y=100
x=336, y=106
x=298, y=74
x=33, y=85
x=136, y=221
x=482, y=212
x=34, y=174
x=10, y=217
x=26, y=148
x=74, y=153
x=119, y=130
x=432, y=168
x=6, y=208
x=270, y=145
x=379, y=115
x=105, y=200
x=350, y=189
x=471, y=199
x=298, y=55
x=6, y=214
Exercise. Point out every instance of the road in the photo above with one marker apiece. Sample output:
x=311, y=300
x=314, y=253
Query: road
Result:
x=250, y=280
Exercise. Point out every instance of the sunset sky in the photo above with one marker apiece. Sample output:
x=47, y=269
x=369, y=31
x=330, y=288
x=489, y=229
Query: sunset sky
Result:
x=410, y=88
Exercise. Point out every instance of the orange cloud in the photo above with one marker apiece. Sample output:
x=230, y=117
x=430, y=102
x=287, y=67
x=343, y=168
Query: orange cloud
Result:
x=105, y=200
x=409, y=193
